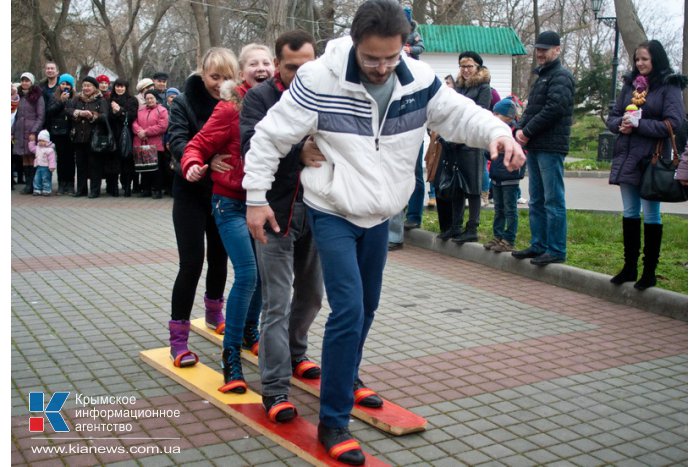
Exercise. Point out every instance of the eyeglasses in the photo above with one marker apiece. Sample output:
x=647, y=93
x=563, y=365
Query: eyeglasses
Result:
x=468, y=66
x=388, y=62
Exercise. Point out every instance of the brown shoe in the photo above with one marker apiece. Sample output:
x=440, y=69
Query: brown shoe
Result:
x=502, y=246
x=492, y=243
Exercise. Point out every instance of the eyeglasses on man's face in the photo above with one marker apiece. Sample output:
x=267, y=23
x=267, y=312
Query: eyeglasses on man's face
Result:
x=390, y=62
x=469, y=67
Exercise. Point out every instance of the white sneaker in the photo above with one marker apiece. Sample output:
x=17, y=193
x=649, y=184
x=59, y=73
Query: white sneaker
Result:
x=522, y=201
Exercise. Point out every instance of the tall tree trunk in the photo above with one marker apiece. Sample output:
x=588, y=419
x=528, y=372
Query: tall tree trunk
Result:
x=536, y=23
x=276, y=20
x=419, y=9
x=34, y=65
x=631, y=29
x=325, y=24
x=202, y=25
x=214, y=15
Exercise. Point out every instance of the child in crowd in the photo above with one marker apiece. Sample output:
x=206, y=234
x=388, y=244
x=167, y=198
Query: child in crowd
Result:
x=506, y=190
x=44, y=163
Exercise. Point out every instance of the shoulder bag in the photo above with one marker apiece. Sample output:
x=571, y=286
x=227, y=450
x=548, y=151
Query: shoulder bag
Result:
x=101, y=138
x=125, y=140
x=658, y=183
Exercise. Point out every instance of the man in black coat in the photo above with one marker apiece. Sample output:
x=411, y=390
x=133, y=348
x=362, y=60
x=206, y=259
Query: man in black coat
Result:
x=288, y=262
x=545, y=130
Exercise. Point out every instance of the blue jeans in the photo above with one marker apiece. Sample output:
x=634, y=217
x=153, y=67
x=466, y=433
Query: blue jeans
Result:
x=547, y=202
x=632, y=203
x=244, y=299
x=505, y=206
x=414, y=212
x=42, y=180
x=352, y=260
x=396, y=227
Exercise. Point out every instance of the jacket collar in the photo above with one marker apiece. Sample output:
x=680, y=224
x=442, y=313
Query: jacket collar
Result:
x=547, y=66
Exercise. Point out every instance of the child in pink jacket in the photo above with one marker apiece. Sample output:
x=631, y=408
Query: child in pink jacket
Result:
x=44, y=163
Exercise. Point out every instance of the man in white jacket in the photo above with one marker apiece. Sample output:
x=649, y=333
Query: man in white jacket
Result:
x=367, y=105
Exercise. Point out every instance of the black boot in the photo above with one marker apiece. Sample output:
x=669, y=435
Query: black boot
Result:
x=29, y=180
x=631, y=232
x=652, y=248
x=95, y=188
x=469, y=234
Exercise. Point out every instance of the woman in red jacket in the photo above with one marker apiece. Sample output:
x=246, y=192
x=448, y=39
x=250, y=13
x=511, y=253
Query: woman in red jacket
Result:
x=221, y=135
x=149, y=128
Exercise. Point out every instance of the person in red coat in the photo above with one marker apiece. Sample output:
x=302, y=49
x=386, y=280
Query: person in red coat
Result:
x=221, y=135
x=149, y=128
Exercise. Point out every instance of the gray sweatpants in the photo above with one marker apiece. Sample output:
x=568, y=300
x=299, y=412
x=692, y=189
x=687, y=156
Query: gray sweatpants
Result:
x=292, y=290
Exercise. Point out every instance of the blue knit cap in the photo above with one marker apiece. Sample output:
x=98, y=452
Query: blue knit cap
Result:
x=505, y=107
x=66, y=78
x=172, y=91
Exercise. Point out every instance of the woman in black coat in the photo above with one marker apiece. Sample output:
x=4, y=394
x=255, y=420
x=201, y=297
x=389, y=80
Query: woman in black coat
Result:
x=123, y=108
x=472, y=82
x=652, y=93
x=59, y=125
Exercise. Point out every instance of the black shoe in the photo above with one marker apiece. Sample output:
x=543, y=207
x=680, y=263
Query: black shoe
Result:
x=157, y=194
x=78, y=194
x=278, y=408
x=332, y=438
x=466, y=236
x=545, y=259
x=411, y=225
x=251, y=338
x=127, y=192
x=93, y=195
x=395, y=246
x=305, y=368
x=233, y=371
x=448, y=234
x=364, y=396
x=526, y=253
x=145, y=194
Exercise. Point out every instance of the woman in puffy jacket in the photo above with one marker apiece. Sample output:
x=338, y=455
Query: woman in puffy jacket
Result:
x=59, y=125
x=651, y=94
x=149, y=128
x=29, y=120
x=221, y=135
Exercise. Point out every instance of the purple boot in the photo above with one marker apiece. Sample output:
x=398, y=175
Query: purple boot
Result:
x=179, y=353
x=213, y=314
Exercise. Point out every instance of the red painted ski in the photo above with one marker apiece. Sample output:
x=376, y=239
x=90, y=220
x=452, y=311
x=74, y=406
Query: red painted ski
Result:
x=298, y=436
x=390, y=418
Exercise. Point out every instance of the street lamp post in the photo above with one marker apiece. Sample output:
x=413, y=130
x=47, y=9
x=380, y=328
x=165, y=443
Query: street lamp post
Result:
x=606, y=139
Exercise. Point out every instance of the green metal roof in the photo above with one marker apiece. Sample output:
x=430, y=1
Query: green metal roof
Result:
x=484, y=40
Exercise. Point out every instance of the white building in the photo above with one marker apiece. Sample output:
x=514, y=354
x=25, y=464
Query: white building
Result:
x=444, y=43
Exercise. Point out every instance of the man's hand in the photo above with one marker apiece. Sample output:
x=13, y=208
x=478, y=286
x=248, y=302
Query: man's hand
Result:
x=218, y=164
x=196, y=172
x=514, y=158
x=256, y=217
x=521, y=138
x=310, y=155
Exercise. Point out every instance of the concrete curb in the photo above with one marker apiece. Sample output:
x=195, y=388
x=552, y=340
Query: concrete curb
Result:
x=586, y=173
x=659, y=301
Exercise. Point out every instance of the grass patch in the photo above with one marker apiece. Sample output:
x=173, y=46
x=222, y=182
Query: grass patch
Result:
x=594, y=242
x=587, y=164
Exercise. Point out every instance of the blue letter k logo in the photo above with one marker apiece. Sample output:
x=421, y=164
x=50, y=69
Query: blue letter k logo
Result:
x=36, y=404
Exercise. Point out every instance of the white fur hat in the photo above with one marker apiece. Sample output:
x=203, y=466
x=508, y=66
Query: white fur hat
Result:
x=44, y=136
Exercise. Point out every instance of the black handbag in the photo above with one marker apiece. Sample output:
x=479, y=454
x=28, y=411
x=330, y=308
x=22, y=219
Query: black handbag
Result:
x=101, y=138
x=125, y=140
x=658, y=182
x=452, y=183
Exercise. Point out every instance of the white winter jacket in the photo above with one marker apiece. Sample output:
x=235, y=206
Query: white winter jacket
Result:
x=368, y=175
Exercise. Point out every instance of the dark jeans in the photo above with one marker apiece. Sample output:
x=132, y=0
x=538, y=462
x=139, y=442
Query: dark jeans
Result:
x=84, y=162
x=505, y=206
x=193, y=221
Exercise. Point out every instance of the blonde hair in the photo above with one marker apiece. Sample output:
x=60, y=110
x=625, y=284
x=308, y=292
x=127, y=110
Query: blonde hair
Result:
x=220, y=60
x=248, y=49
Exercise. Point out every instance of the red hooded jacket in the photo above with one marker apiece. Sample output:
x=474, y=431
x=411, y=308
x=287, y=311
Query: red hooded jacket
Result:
x=220, y=135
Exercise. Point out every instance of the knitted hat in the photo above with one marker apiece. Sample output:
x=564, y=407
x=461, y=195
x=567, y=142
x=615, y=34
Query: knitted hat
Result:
x=44, y=136
x=172, y=92
x=505, y=107
x=66, y=78
x=160, y=75
x=143, y=84
x=92, y=81
x=103, y=79
x=29, y=76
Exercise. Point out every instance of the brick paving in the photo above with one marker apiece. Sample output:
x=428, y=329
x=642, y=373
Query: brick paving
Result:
x=507, y=370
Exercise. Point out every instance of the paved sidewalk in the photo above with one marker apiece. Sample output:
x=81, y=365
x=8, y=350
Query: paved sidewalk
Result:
x=507, y=370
